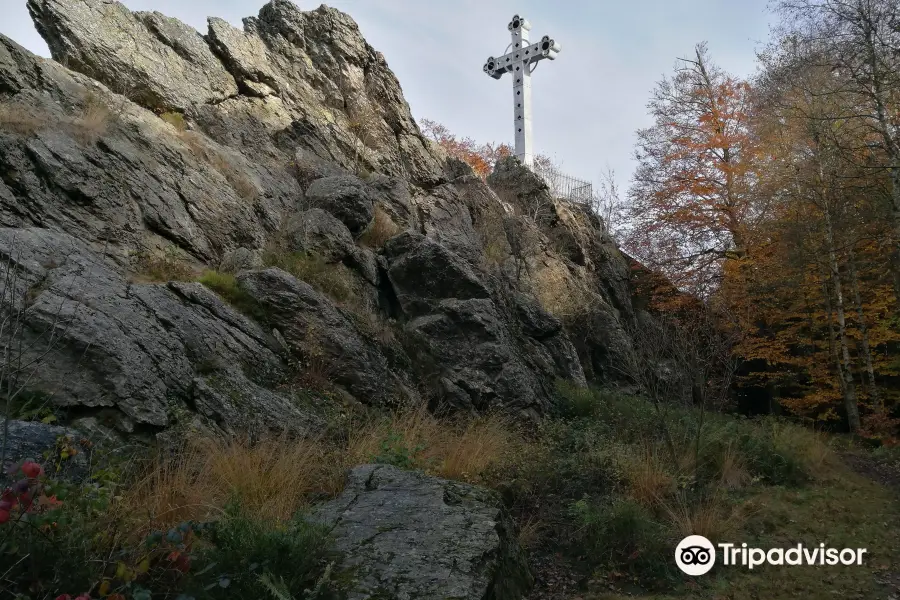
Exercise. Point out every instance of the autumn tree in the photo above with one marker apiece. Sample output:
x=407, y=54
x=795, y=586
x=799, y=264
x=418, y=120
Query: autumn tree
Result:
x=807, y=314
x=481, y=157
x=859, y=42
x=691, y=198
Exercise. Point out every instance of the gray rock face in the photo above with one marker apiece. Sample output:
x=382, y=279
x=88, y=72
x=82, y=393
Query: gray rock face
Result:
x=320, y=232
x=346, y=198
x=139, y=183
x=157, y=61
x=600, y=332
x=483, y=359
x=325, y=88
x=142, y=349
x=315, y=329
x=282, y=115
x=409, y=536
x=424, y=272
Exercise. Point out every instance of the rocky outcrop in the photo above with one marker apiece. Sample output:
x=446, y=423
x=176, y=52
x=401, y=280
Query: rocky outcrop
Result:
x=407, y=535
x=305, y=79
x=152, y=352
x=456, y=322
x=295, y=142
x=315, y=329
x=576, y=262
x=155, y=60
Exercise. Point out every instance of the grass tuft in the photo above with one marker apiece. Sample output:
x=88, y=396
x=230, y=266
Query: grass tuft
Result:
x=227, y=286
x=380, y=230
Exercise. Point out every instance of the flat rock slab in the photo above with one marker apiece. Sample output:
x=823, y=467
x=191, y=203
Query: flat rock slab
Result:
x=409, y=536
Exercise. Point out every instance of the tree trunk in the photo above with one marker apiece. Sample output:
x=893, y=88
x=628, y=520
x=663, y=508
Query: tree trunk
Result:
x=863, y=330
x=850, y=401
x=891, y=148
x=829, y=310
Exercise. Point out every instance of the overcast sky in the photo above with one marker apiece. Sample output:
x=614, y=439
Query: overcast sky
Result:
x=587, y=104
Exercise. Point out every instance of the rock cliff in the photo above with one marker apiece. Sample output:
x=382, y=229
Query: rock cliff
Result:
x=337, y=243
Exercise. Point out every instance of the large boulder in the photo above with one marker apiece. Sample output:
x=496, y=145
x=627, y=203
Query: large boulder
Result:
x=406, y=535
x=346, y=198
x=468, y=337
x=319, y=232
x=424, y=272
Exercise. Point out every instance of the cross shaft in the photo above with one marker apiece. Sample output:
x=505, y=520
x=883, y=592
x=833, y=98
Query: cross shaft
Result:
x=520, y=61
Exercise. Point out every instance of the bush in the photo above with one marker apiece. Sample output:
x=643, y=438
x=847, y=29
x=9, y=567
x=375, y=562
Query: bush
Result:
x=170, y=265
x=576, y=401
x=92, y=120
x=380, y=230
x=332, y=280
x=761, y=445
x=247, y=555
x=622, y=534
x=226, y=285
x=51, y=533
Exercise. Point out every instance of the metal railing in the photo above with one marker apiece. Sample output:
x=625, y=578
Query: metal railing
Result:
x=564, y=186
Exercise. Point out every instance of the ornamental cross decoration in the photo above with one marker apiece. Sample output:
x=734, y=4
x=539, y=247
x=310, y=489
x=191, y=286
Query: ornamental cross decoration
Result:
x=520, y=60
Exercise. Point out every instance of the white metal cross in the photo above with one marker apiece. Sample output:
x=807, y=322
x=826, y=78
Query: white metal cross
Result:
x=520, y=61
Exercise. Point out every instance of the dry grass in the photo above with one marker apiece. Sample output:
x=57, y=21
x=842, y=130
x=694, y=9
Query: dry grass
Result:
x=273, y=478
x=176, y=120
x=380, y=230
x=460, y=450
x=155, y=267
x=809, y=446
x=733, y=473
x=236, y=177
x=277, y=476
x=561, y=294
x=648, y=481
x=92, y=121
x=20, y=119
x=530, y=532
x=89, y=124
x=710, y=518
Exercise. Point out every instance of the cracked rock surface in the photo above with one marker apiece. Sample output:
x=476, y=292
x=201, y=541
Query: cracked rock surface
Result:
x=409, y=536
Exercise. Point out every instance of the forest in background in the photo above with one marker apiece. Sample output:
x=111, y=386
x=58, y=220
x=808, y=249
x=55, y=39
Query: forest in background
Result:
x=776, y=200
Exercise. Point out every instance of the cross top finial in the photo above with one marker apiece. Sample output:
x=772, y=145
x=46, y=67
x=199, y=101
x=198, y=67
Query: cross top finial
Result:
x=520, y=61
x=518, y=22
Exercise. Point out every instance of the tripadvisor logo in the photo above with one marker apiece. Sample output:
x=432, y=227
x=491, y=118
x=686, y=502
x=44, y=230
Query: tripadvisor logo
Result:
x=696, y=555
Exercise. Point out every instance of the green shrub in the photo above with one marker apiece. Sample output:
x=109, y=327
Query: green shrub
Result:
x=226, y=285
x=396, y=451
x=759, y=444
x=247, y=555
x=622, y=534
x=332, y=280
x=575, y=401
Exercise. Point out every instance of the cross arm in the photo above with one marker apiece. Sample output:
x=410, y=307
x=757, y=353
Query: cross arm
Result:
x=546, y=48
